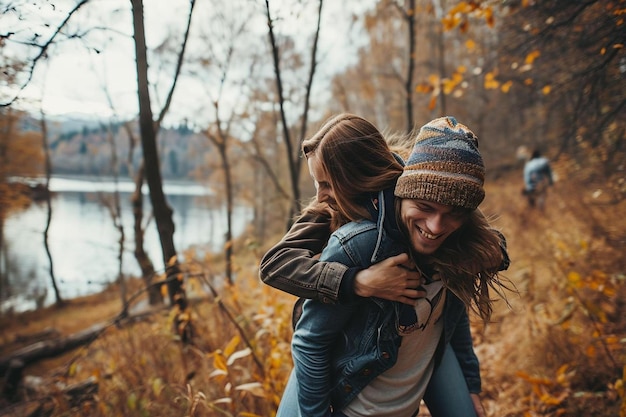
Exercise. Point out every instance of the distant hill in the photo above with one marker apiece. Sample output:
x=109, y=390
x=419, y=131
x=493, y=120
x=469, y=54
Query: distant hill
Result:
x=83, y=145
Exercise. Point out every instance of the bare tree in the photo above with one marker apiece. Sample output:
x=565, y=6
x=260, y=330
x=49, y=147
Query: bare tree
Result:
x=293, y=148
x=408, y=14
x=148, y=129
x=115, y=211
x=48, y=166
x=42, y=47
x=141, y=256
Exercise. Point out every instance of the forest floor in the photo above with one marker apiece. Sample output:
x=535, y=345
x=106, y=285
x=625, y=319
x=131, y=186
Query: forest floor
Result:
x=558, y=349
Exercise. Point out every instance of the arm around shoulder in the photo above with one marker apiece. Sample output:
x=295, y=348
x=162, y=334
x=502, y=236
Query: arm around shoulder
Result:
x=290, y=265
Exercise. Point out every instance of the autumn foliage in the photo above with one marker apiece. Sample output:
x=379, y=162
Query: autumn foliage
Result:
x=546, y=74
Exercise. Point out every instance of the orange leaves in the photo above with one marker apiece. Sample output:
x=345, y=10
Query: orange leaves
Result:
x=490, y=82
x=449, y=84
x=449, y=22
x=424, y=88
x=227, y=371
x=615, y=46
x=531, y=57
x=506, y=86
x=596, y=281
x=550, y=392
x=458, y=16
x=435, y=85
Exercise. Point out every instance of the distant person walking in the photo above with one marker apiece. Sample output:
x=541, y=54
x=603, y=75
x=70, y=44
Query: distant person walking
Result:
x=537, y=178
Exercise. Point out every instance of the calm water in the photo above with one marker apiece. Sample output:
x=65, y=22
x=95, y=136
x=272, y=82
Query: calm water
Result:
x=83, y=239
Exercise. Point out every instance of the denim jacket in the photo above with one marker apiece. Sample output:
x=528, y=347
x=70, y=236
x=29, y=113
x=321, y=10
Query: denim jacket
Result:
x=338, y=349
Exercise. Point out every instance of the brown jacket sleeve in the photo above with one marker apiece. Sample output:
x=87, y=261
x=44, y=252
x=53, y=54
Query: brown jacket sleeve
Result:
x=290, y=265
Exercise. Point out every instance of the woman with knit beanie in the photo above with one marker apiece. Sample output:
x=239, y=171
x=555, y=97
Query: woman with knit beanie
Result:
x=374, y=357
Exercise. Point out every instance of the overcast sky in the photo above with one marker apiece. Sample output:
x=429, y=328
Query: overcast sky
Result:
x=72, y=80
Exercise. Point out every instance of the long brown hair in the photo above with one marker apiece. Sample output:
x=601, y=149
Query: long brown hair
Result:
x=468, y=262
x=358, y=161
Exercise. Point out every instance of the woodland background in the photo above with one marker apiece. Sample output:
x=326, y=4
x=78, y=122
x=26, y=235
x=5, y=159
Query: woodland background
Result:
x=214, y=341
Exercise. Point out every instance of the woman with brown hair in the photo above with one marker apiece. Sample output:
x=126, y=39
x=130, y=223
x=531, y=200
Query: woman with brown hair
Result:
x=373, y=357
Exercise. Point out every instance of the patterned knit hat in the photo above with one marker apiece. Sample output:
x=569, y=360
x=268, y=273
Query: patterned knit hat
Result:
x=445, y=166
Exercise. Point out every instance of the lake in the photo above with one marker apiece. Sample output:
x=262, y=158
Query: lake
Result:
x=83, y=239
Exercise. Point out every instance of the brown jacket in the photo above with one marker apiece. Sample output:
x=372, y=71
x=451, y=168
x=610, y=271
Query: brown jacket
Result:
x=290, y=265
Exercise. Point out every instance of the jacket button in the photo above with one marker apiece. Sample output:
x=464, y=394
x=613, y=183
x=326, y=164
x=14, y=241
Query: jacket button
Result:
x=385, y=355
x=366, y=371
x=347, y=388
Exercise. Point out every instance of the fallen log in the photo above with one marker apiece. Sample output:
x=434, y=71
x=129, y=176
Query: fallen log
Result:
x=51, y=348
x=44, y=398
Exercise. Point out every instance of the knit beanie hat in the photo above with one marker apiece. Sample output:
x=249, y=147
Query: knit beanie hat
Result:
x=445, y=166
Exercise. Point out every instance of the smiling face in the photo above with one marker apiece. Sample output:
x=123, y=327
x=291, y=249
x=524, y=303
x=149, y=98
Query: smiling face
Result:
x=325, y=192
x=429, y=224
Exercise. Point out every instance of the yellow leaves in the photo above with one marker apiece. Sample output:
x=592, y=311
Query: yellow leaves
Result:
x=222, y=360
x=562, y=375
x=575, y=279
x=489, y=17
x=490, y=82
x=219, y=362
x=231, y=346
x=432, y=103
x=470, y=45
x=612, y=340
x=450, y=22
x=449, y=84
x=462, y=8
x=506, y=87
x=424, y=88
x=533, y=379
x=596, y=281
x=531, y=57
x=548, y=391
x=459, y=14
x=546, y=90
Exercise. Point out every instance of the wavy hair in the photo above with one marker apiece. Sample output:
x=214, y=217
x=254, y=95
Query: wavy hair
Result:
x=358, y=162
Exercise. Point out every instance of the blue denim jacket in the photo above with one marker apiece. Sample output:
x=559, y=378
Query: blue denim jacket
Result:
x=338, y=349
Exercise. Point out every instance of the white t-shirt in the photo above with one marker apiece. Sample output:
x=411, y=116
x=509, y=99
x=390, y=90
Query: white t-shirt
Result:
x=398, y=391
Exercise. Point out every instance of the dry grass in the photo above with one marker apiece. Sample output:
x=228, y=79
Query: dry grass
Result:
x=558, y=351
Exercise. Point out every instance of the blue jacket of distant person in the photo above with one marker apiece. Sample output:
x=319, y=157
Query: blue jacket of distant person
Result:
x=537, y=171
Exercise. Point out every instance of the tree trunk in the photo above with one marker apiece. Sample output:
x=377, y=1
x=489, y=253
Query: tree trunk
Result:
x=408, y=87
x=439, y=10
x=229, y=214
x=293, y=152
x=145, y=263
x=44, y=133
x=162, y=211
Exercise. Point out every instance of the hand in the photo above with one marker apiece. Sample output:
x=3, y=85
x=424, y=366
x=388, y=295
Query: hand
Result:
x=394, y=279
x=478, y=406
